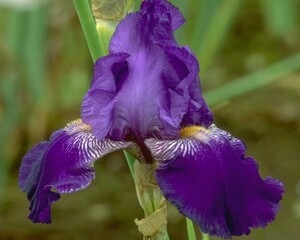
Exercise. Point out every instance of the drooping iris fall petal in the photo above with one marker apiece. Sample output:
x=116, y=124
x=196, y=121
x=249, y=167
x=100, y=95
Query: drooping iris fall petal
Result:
x=63, y=163
x=208, y=178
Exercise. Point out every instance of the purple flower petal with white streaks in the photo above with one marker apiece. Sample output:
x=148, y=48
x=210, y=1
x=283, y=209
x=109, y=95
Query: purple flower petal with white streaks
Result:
x=207, y=177
x=64, y=163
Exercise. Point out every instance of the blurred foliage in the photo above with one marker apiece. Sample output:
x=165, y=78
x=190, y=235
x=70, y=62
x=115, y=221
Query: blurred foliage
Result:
x=45, y=70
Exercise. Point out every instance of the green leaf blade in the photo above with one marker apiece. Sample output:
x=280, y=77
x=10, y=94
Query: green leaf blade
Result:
x=84, y=13
x=252, y=81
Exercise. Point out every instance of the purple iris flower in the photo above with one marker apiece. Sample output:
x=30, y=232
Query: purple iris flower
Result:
x=146, y=97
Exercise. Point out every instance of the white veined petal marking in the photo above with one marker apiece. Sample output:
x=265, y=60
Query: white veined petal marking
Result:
x=86, y=145
x=169, y=149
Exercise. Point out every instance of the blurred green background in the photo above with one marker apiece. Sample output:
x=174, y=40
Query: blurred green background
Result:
x=45, y=70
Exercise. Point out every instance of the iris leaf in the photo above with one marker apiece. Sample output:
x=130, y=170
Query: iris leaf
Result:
x=9, y=92
x=84, y=13
x=279, y=16
x=35, y=51
x=215, y=31
x=205, y=16
x=252, y=81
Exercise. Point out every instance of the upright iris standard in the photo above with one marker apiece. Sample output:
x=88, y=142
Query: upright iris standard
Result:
x=145, y=97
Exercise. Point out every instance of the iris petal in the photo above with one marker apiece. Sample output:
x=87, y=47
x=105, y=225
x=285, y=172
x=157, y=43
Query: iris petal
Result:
x=210, y=181
x=64, y=163
x=145, y=87
x=174, y=12
x=143, y=93
x=187, y=85
x=98, y=103
x=153, y=24
x=125, y=37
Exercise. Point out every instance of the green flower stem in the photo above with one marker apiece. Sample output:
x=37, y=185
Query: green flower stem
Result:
x=154, y=224
x=87, y=21
x=253, y=81
x=190, y=229
x=130, y=160
x=205, y=236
